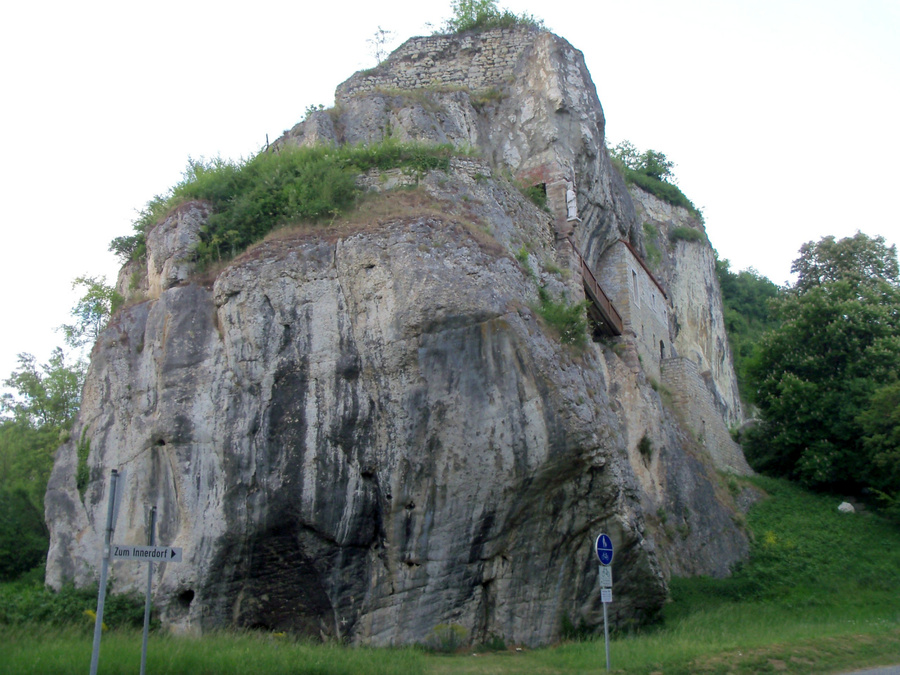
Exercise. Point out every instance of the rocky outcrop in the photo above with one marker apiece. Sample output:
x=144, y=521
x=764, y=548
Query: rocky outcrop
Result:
x=368, y=431
x=170, y=247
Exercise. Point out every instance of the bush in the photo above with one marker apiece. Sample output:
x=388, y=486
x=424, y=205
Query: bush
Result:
x=447, y=638
x=251, y=198
x=688, y=234
x=665, y=191
x=23, y=536
x=569, y=320
x=645, y=446
x=651, y=171
x=29, y=602
x=480, y=15
x=537, y=194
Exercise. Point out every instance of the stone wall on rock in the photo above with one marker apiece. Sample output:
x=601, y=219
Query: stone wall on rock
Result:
x=475, y=62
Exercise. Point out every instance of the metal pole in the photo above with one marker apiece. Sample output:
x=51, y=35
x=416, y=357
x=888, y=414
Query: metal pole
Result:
x=606, y=634
x=104, y=572
x=149, y=588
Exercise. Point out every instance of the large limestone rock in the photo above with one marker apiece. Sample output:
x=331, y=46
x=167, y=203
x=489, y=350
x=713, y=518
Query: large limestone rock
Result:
x=366, y=432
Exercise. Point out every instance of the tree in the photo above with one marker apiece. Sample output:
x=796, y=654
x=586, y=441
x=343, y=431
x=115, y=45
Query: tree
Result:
x=817, y=376
x=880, y=423
x=657, y=165
x=46, y=395
x=649, y=163
x=92, y=311
x=747, y=296
x=34, y=417
x=23, y=535
x=484, y=14
x=858, y=259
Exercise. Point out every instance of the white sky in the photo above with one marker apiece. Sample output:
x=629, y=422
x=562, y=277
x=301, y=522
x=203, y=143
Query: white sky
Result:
x=781, y=115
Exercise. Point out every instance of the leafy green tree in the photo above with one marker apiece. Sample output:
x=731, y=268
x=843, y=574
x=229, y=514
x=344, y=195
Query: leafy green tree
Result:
x=26, y=459
x=650, y=162
x=747, y=296
x=43, y=396
x=880, y=423
x=859, y=259
x=23, y=535
x=819, y=376
x=652, y=172
x=91, y=312
x=657, y=165
x=484, y=14
x=34, y=417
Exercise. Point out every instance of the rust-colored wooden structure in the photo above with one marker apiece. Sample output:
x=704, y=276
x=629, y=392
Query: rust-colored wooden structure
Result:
x=601, y=311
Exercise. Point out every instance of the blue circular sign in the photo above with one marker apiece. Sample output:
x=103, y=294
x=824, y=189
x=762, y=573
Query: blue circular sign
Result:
x=604, y=548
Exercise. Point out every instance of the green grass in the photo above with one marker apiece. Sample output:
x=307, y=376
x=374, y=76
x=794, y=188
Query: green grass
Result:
x=666, y=191
x=818, y=595
x=688, y=234
x=56, y=651
x=251, y=198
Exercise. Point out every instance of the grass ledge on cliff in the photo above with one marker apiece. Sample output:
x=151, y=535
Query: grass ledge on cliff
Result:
x=250, y=198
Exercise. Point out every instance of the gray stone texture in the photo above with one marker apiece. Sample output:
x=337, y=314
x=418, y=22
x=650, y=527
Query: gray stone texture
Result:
x=367, y=432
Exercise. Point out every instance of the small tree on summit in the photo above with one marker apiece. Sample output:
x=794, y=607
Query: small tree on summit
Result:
x=650, y=162
x=484, y=14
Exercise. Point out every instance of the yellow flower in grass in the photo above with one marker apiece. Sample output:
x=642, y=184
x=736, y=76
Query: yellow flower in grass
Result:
x=92, y=615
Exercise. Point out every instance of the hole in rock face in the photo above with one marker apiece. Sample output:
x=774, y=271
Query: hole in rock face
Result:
x=160, y=442
x=185, y=598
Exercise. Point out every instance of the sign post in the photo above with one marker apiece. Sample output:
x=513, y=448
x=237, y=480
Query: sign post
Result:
x=151, y=542
x=149, y=554
x=604, y=549
x=104, y=569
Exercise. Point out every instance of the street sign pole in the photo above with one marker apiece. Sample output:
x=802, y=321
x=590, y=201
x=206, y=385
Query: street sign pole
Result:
x=152, y=542
x=104, y=570
x=603, y=547
x=606, y=635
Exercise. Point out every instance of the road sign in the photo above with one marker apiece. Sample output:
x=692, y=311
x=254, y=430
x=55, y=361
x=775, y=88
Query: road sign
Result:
x=147, y=553
x=605, y=576
x=605, y=595
x=604, y=548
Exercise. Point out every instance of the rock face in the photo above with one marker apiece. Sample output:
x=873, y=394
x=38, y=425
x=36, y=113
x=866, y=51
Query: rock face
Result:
x=368, y=432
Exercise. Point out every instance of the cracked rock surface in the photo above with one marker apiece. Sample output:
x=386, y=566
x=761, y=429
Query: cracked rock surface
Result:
x=368, y=432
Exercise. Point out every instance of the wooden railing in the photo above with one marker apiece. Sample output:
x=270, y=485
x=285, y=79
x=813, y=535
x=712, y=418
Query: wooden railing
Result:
x=602, y=311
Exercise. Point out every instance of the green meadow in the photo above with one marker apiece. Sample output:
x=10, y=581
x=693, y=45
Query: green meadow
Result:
x=819, y=594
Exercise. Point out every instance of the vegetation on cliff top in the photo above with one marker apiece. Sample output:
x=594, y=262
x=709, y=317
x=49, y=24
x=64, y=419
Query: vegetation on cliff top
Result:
x=480, y=15
x=252, y=197
x=651, y=171
x=746, y=297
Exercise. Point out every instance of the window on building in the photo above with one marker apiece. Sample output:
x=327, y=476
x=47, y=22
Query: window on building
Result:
x=634, y=285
